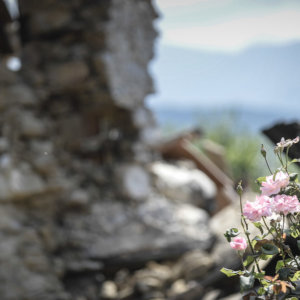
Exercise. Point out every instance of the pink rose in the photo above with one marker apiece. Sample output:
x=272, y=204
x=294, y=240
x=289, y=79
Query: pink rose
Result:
x=262, y=207
x=238, y=243
x=286, y=204
x=287, y=143
x=273, y=185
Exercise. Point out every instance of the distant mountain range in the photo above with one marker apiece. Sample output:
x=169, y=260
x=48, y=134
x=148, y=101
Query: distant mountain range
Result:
x=262, y=76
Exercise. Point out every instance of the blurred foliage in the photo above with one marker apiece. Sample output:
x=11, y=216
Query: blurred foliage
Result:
x=242, y=150
x=242, y=147
x=242, y=153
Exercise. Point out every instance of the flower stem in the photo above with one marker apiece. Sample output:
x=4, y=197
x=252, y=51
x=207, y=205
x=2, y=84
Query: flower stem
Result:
x=268, y=228
x=280, y=159
x=281, y=242
x=247, y=234
x=287, y=159
x=241, y=258
x=283, y=220
x=268, y=165
x=291, y=254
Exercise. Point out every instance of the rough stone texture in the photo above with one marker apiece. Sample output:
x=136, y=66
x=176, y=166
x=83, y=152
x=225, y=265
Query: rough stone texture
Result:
x=184, y=184
x=76, y=197
x=125, y=66
x=195, y=265
x=126, y=234
x=134, y=181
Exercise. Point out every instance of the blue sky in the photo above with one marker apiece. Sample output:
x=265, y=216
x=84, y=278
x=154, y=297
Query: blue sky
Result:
x=223, y=54
x=228, y=25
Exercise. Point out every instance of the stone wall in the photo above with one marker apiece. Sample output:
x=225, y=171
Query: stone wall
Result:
x=77, y=198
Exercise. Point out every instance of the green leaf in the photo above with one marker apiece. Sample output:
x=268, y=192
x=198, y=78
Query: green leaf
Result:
x=295, y=160
x=260, y=243
x=284, y=273
x=230, y=233
x=279, y=265
x=246, y=282
x=259, y=226
x=260, y=180
x=269, y=249
x=265, y=256
x=296, y=276
x=248, y=260
x=259, y=275
x=261, y=291
x=293, y=176
x=230, y=273
x=257, y=238
x=295, y=233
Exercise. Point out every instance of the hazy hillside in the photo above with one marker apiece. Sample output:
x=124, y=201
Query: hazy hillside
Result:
x=262, y=75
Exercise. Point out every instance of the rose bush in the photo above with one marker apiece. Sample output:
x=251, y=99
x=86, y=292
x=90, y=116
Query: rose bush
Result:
x=276, y=213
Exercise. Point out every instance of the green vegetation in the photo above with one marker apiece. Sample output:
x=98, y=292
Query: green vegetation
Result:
x=242, y=150
x=242, y=147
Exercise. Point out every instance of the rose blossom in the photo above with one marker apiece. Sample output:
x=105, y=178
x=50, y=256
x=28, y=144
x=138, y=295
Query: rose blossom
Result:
x=238, y=243
x=286, y=204
x=287, y=143
x=262, y=207
x=271, y=186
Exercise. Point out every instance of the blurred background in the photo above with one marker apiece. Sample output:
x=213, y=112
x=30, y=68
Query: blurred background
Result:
x=228, y=67
x=109, y=190
x=227, y=56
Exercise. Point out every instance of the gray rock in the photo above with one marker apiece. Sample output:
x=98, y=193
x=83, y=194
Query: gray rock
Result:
x=178, y=287
x=128, y=51
x=156, y=228
x=31, y=126
x=17, y=94
x=78, y=198
x=4, y=144
x=22, y=94
x=45, y=164
x=109, y=290
x=141, y=153
x=143, y=117
x=195, y=265
x=49, y=20
x=20, y=182
x=83, y=266
x=134, y=181
x=184, y=185
x=7, y=76
x=43, y=161
x=68, y=74
x=25, y=269
x=150, y=136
